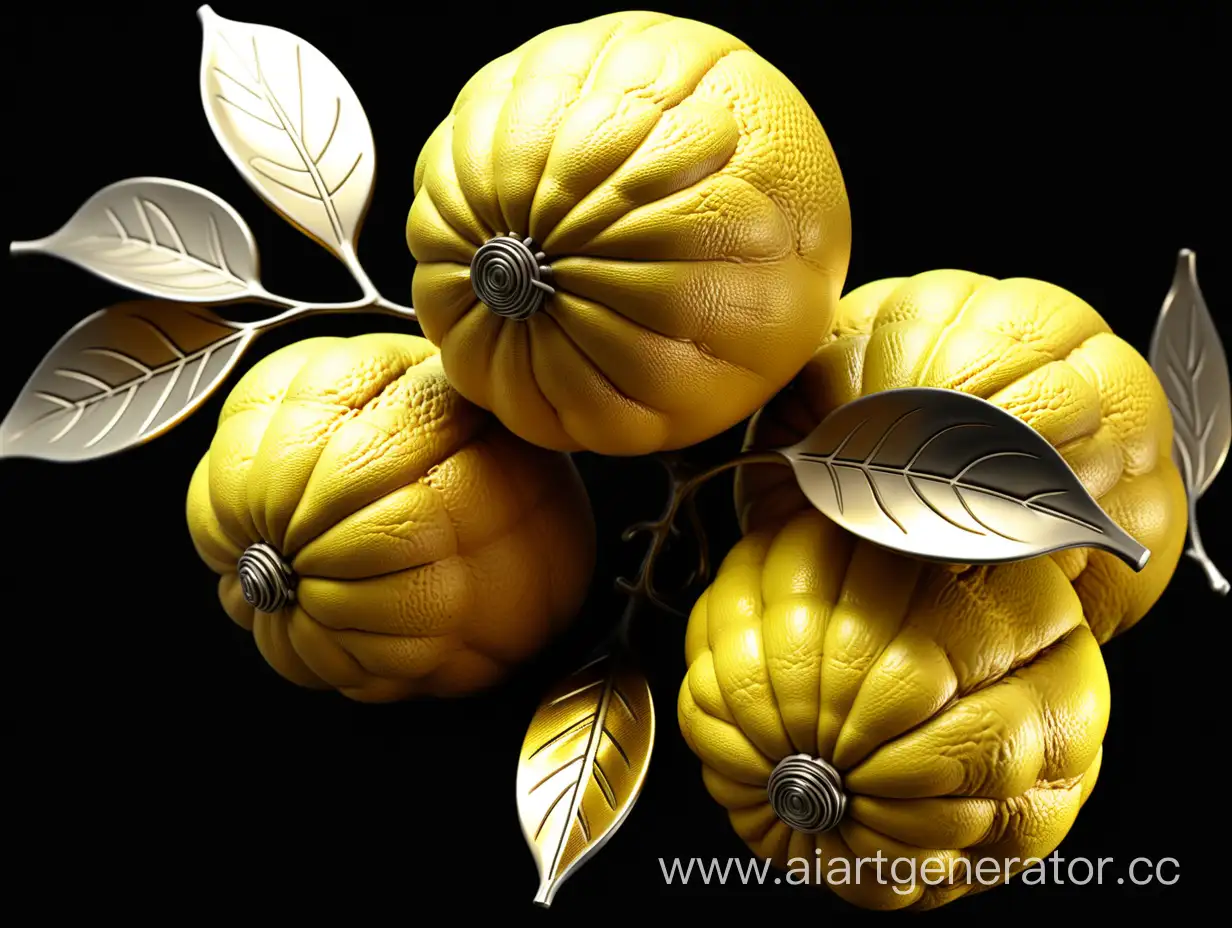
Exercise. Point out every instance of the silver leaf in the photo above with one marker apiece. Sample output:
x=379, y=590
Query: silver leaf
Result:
x=292, y=126
x=947, y=476
x=160, y=237
x=1188, y=357
x=119, y=378
x=583, y=763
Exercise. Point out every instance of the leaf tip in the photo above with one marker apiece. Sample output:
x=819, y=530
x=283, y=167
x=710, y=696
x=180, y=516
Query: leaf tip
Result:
x=206, y=14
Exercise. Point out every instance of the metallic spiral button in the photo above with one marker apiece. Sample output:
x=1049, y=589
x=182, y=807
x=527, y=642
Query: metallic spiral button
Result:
x=807, y=794
x=509, y=275
x=265, y=580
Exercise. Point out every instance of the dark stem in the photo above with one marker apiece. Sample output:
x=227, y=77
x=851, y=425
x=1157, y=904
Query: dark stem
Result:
x=634, y=601
x=681, y=490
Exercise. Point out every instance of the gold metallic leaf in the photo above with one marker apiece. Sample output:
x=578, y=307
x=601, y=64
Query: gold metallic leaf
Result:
x=292, y=126
x=583, y=764
x=119, y=378
x=1188, y=357
x=947, y=476
x=160, y=237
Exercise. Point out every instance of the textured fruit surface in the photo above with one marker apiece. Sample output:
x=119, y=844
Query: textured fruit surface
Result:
x=1038, y=352
x=965, y=711
x=691, y=211
x=432, y=549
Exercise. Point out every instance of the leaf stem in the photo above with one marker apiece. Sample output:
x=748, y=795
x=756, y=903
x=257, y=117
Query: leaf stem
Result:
x=383, y=305
x=294, y=309
x=372, y=296
x=1218, y=582
x=351, y=260
x=28, y=248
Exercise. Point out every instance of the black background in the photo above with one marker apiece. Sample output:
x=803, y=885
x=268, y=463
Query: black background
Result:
x=158, y=767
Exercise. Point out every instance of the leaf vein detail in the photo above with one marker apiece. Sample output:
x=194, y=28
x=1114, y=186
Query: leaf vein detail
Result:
x=551, y=806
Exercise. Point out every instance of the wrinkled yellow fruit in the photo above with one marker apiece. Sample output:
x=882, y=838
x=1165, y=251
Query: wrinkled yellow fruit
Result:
x=429, y=549
x=692, y=221
x=964, y=712
x=1038, y=352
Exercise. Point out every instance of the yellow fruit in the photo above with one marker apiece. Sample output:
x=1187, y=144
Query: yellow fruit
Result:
x=1040, y=353
x=963, y=712
x=429, y=549
x=692, y=220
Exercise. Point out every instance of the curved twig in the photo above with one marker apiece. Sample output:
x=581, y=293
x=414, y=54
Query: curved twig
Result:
x=1218, y=582
x=682, y=487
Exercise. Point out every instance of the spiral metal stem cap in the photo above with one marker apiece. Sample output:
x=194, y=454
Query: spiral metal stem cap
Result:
x=510, y=275
x=265, y=579
x=807, y=794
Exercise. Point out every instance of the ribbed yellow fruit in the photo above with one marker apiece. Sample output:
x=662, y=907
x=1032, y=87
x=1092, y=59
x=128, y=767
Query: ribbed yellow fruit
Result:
x=1035, y=350
x=962, y=712
x=630, y=232
x=377, y=533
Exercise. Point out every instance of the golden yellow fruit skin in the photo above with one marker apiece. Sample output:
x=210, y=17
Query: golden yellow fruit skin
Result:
x=1035, y=350
x=965, y=711
x=433, y=549
x=691, y=209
